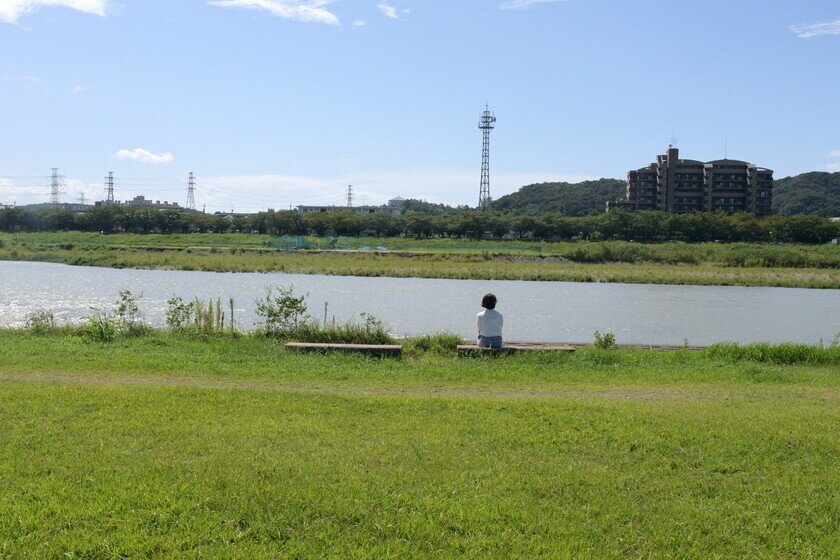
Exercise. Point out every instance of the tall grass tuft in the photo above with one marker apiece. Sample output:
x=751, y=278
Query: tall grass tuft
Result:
x=785, y=353
x=443, y=344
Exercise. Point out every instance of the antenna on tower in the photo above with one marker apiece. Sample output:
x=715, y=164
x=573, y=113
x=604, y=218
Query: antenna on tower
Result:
x=725, y=147
x=191, y=192
x=673, y=139
x=55, y=188
x=486, y=124
x=109, y=188
x=349, y=196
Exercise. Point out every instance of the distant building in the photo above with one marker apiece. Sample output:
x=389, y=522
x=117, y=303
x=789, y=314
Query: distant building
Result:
x=683, y=185
x=387, y=209
x=141, y=202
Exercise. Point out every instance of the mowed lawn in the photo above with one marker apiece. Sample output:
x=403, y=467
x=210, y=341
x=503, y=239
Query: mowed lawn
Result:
x=170, y=447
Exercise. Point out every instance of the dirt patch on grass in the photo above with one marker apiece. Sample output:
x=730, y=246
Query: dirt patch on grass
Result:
x=479, y=393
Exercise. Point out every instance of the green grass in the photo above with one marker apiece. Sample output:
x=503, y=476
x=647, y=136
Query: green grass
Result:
x=738, y=264
x=165, y=446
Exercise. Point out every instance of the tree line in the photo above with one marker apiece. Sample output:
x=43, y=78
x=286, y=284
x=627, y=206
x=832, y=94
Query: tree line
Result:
x=644, y=226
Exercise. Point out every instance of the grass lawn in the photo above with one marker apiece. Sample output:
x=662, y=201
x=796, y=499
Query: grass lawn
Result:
x=164, y=446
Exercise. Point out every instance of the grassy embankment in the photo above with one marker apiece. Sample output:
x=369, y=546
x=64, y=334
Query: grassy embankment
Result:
x=738, y=264
x=168, y=446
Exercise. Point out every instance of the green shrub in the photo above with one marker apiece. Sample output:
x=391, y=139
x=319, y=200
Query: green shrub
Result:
x=41, y=322
x=281, y=310
x=127, y=314
x=100, y=327
x=198, y=316
x=604, y=341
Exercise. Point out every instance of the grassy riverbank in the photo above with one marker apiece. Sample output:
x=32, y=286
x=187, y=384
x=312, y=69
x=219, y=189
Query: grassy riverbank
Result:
x=177, y=446
x=738, y=264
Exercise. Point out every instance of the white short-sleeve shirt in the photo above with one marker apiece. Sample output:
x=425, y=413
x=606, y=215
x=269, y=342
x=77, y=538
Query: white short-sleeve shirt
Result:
x=490, y=323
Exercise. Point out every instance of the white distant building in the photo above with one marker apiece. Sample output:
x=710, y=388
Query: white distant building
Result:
x=140, y=201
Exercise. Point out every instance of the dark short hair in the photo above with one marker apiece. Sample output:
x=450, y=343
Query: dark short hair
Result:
x=489, y=301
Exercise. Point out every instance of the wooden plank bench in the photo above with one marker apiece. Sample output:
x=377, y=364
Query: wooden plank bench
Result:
x=369, y=349
x=473, y=349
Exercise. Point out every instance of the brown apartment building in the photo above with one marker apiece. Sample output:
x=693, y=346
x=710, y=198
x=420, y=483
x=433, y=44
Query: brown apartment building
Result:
x=679, y=185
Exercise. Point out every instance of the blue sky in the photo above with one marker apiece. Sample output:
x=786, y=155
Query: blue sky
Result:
x=283, y=102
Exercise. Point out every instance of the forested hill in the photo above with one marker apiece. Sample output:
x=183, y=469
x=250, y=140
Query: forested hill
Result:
x=571, y=199
x=809, y=193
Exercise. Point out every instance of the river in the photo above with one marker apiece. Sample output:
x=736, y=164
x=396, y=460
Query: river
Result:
x=534, y=311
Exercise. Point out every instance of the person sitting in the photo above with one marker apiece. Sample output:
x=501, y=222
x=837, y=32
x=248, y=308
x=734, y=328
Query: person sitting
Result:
x=489, y=324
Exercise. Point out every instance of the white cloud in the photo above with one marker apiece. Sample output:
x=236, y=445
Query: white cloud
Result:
x=80, y=89
x=300, y=10
x=12, y=10
x=833, y=166
x=806, y=31
x=359, y=23
x=144, y=156
x=34, y=80
x=388, y=10
x=517, y=4
x=834, y=153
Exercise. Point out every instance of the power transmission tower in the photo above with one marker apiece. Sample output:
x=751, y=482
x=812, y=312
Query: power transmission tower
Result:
x=486, y=124
x=82, y=199
x=191, y=192
x=349, y=196
x=55, y=188
x=109, y=186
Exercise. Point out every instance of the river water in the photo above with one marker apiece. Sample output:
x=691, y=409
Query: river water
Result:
x=534, y=311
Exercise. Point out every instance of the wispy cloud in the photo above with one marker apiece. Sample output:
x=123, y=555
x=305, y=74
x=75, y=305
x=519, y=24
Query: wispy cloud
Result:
x=34, y=80
x=359, y=23
x=80, y=89
x=12, y=10
x=145, y=156
x=833, y=166
x=834, y=153
x=299, y=10
x=388, y=10
x=808, y=30
x=517, y=4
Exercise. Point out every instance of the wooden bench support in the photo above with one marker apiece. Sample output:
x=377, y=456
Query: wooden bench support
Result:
x=369, y=349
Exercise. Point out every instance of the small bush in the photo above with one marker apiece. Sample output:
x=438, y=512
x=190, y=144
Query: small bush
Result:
x=179, y=315
x=198, y=316
x=281, y=310
x=604, y=341
x=127, y=313
x=441, y=343
x=41, y=322
x=100, y=327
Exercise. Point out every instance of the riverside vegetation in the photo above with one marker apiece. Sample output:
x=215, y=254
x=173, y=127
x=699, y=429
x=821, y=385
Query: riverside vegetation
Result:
x=199, y=441
x=747, y=264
